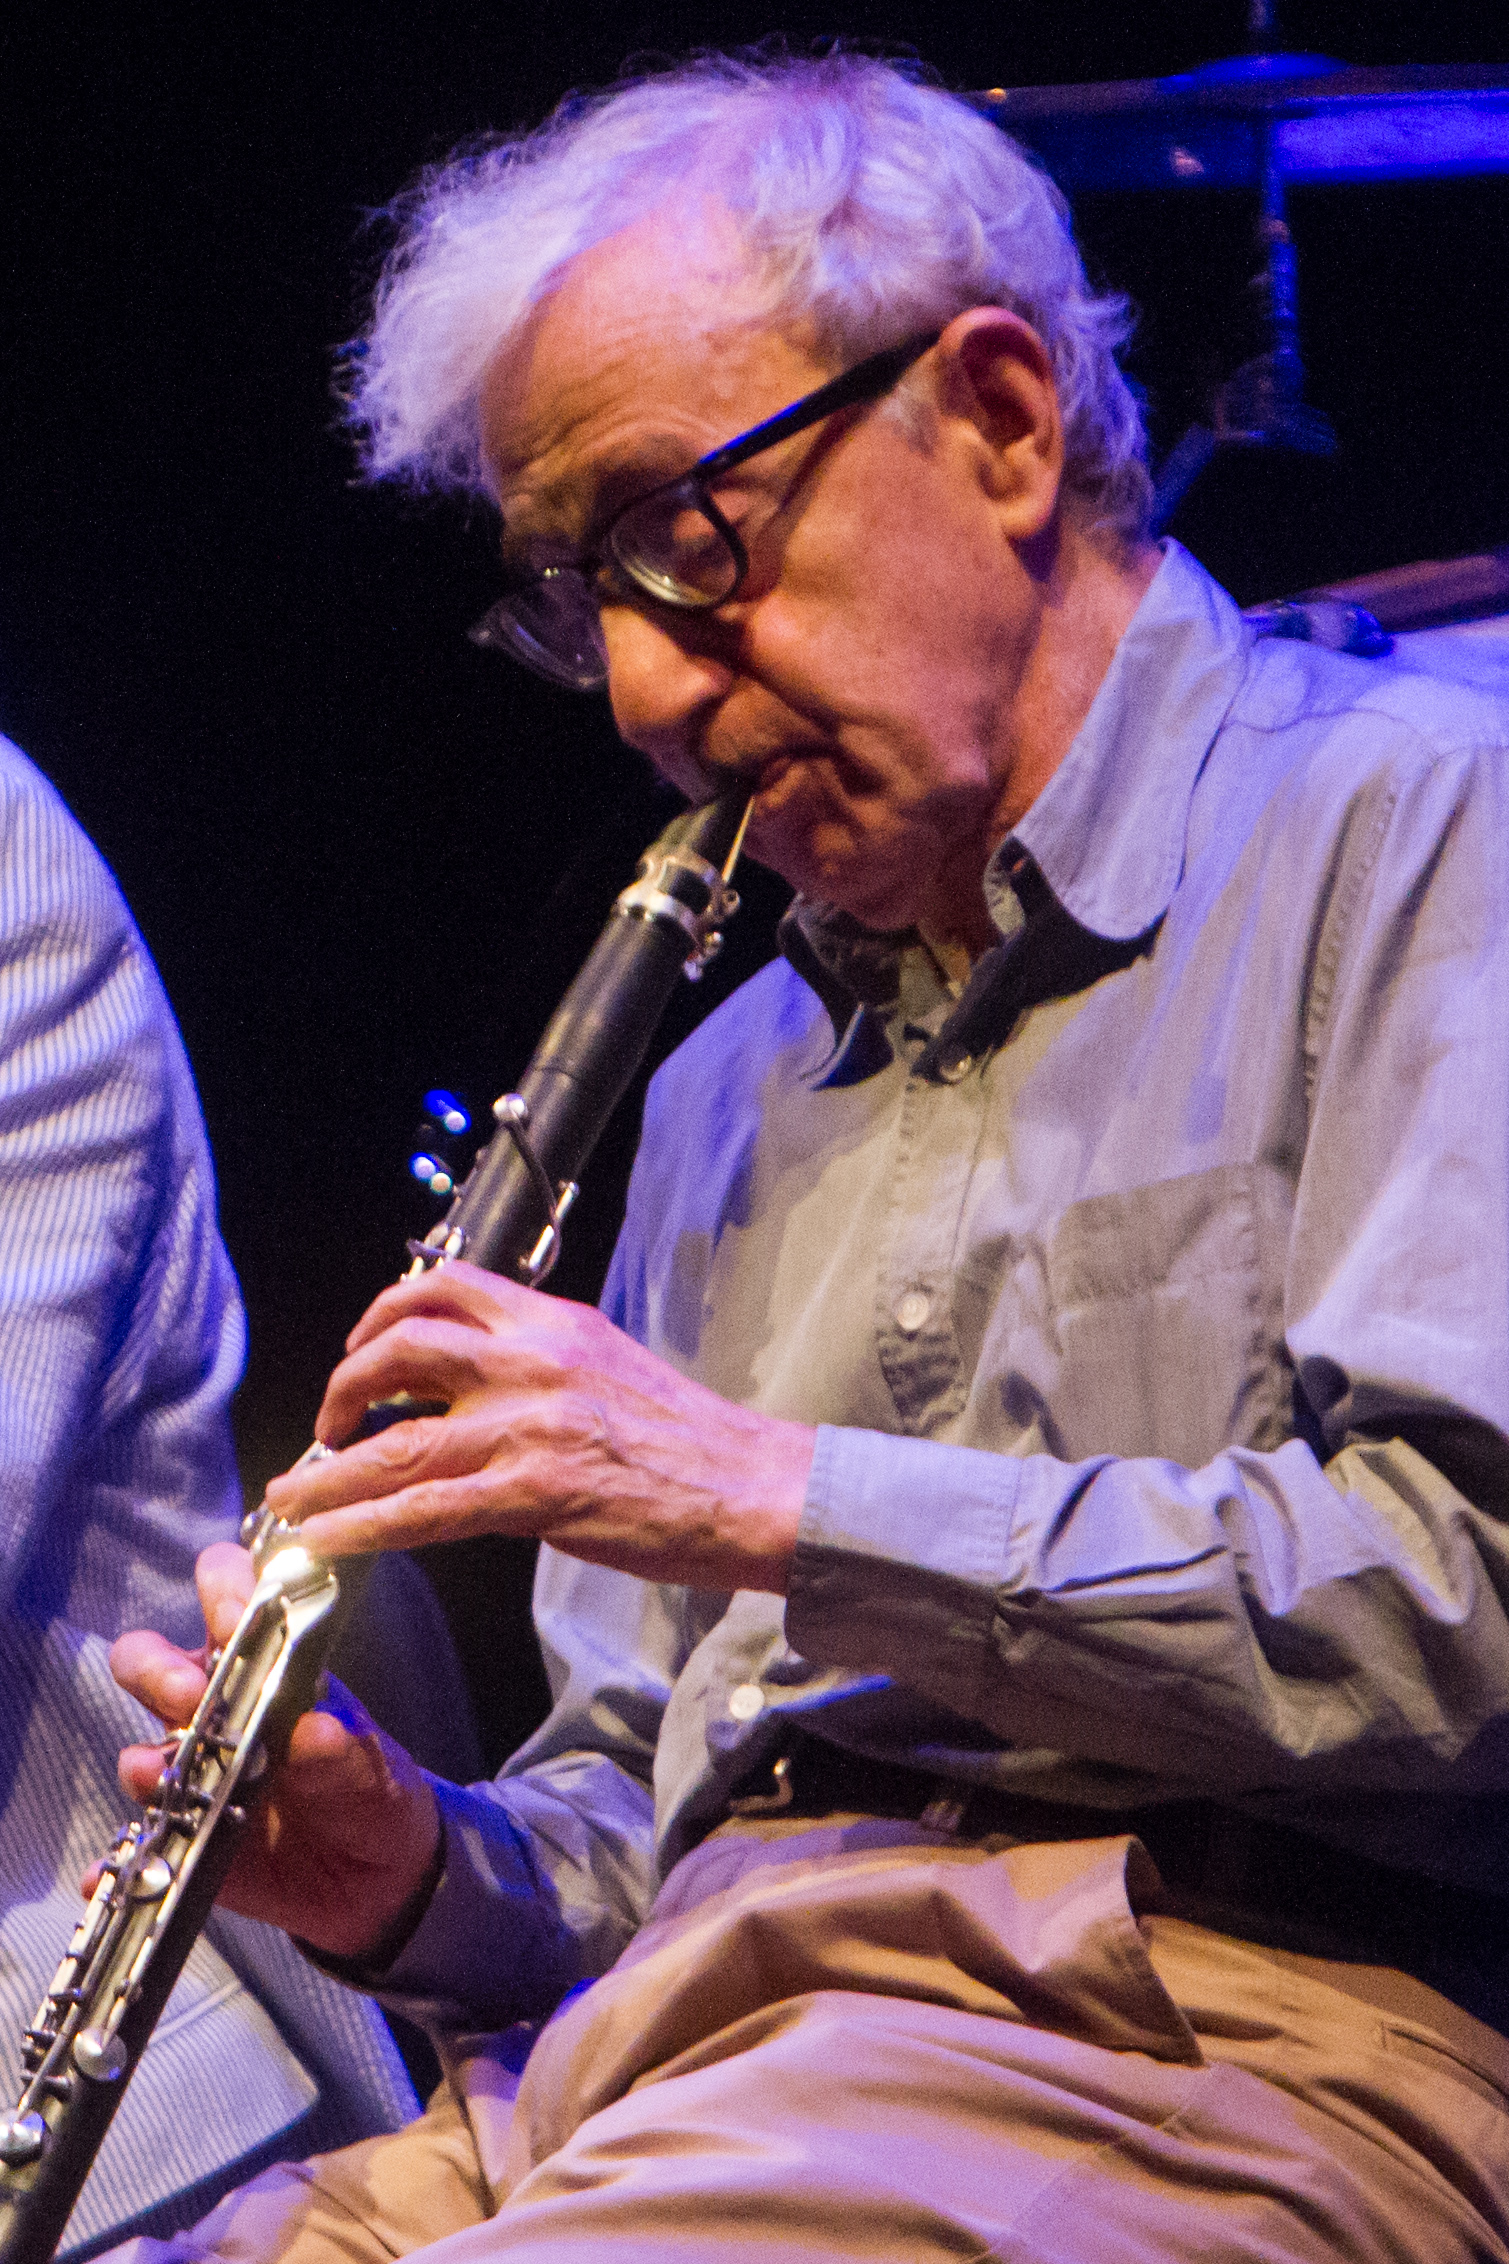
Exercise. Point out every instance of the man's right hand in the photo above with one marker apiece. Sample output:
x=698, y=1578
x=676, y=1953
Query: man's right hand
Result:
x=344, y=1845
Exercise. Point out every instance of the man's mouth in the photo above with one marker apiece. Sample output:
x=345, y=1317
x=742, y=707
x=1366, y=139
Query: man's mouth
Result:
x=759, y=776
x=770, y=774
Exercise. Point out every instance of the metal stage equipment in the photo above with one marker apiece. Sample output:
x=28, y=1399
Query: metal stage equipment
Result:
x=1265, y=121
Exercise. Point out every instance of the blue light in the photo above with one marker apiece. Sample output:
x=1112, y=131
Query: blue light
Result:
x=447, y=1111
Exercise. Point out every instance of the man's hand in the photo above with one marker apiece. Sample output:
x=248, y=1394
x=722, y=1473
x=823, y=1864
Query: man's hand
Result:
x=558, y=1425
x=345, y=1840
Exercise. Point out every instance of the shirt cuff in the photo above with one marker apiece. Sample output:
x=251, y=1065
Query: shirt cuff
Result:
x=900, y=1556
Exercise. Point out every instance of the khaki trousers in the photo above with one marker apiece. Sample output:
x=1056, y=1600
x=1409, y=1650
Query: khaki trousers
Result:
x=858, y=2039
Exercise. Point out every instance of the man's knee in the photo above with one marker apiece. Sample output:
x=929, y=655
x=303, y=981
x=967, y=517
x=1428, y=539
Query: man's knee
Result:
x=362, y=2204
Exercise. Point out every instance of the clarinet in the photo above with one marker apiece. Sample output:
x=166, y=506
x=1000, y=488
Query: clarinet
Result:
x=161, y=1876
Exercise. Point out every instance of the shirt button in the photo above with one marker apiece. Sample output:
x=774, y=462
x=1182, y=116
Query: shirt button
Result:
x=747, y=1701
x=913, y=1311
x=956, y=1068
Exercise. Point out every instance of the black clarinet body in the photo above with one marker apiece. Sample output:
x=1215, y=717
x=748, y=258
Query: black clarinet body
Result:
x=158, y=1882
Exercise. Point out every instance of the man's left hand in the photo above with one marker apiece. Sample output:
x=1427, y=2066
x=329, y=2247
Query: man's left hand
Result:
x=559, y=1425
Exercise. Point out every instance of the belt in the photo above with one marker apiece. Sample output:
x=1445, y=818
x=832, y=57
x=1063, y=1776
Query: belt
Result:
x=1263, y=1881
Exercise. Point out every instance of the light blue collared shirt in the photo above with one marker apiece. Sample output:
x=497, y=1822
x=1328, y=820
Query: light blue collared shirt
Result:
x=1153, y=1301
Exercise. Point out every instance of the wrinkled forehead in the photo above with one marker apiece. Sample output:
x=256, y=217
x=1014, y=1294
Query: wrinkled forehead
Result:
x=662, y=325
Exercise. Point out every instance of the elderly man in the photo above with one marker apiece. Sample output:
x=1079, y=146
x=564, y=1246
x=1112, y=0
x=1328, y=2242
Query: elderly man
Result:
x=1025, y=1568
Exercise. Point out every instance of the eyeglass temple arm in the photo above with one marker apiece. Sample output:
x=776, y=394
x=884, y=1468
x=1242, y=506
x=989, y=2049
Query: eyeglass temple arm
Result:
x=866, y=381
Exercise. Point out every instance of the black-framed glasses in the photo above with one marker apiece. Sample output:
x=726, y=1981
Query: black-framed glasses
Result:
x=673, y=543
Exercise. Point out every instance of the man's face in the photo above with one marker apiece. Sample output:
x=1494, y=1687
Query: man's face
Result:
x=861, y=679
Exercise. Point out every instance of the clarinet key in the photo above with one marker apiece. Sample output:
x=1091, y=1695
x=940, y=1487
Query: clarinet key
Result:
x=100, y=2058
x=151, y=1882
x=22, y=2138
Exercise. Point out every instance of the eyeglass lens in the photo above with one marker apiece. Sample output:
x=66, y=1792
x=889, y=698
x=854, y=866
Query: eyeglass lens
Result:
x=666, y=544
x=673, y=549
x=551, y=625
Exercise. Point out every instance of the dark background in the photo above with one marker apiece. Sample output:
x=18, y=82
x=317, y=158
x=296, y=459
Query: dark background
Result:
x=367, y=857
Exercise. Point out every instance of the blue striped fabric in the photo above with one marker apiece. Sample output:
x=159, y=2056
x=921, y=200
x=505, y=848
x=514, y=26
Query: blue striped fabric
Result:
x=121, y=1340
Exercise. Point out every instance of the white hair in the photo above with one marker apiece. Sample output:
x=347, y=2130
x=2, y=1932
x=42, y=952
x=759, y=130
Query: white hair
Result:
x=872, y=207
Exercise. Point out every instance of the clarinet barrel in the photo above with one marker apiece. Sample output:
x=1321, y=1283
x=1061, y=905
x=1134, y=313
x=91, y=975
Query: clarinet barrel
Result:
x=667, y=922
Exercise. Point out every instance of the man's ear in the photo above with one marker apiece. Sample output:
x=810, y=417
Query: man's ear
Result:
x=995, y=378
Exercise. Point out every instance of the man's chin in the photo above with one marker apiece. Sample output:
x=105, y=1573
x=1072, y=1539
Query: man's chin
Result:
x=881, y=913
x=840, y=871
x=878, y=915
x=878, y=919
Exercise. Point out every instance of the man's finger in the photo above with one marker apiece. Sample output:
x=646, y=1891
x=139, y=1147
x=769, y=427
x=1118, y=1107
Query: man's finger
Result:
x=457, y=1292
x=435, y=1509
x=429, y=1359
x=427, y=1446
x=138, y=1770
x=159, y=1676
x=364, y=1472
x=319, y=1740
x=226, y=1577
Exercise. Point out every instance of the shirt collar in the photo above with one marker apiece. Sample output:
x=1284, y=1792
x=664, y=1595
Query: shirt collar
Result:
x=1107, y=832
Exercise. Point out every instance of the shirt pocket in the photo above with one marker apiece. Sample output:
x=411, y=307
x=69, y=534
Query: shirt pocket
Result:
x=1165, y=1318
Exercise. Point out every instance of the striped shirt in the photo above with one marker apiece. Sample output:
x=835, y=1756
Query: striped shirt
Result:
x=121, y=1341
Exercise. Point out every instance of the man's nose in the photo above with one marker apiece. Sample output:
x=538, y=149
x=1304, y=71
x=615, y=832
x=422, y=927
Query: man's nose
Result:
x=662, y=679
